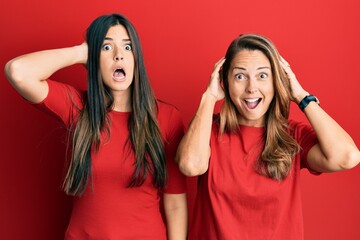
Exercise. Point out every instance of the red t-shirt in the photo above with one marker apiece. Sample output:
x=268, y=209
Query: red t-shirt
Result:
x=108, y=209
x=235, y=202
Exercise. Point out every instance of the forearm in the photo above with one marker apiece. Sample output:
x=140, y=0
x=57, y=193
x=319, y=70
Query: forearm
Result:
x=28, y=72
x=176, y=216
x=337, y=147
x=194, y=148
x=336, y=150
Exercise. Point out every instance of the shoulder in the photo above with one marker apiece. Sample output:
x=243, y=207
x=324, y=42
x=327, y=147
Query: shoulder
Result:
x=169, y=118
x=165, y=107
x=167, y=112
x=63, y=90
x=63, y=101
x=303, y=133
x=298, y=128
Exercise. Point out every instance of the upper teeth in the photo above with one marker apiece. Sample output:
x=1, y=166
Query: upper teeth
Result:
x=252, y=100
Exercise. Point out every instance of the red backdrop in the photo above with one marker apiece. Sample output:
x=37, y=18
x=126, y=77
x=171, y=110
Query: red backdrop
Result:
x=182, y=40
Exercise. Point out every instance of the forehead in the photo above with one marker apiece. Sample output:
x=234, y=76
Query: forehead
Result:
x=247, y=58
x=118, y=31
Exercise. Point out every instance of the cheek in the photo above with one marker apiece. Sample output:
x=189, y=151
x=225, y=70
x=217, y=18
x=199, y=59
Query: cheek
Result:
x=102, y=63
x=235, y=90
x=132, y=62
x=267, y=87
x=234, y=95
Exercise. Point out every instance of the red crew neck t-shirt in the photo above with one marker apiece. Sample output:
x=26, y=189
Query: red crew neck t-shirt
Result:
x=108, y=209
x=235, y=202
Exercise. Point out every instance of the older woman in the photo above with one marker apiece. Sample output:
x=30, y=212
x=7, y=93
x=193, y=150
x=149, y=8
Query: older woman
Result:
x=248, y=157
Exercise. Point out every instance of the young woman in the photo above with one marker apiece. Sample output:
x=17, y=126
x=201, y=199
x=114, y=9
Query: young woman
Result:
x=249, y=157
x=123, y=139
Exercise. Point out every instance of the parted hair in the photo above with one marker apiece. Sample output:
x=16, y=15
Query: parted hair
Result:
x=279, y=146
x=144, y=133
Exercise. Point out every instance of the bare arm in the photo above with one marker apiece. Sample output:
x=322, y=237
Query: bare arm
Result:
x=27, y=73
x=194, y=148
x=175, y=206
x=336, y=150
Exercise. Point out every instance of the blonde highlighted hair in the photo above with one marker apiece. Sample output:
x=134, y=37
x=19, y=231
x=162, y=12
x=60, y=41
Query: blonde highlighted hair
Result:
x=280, y=147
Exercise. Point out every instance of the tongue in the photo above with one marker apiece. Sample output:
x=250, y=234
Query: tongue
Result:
x=118, y=75
x=252, y=105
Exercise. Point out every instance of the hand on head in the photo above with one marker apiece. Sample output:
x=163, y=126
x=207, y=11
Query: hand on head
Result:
x=297, y=92
x=214, y=88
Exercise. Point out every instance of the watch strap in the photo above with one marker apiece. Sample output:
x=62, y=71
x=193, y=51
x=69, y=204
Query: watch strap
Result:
x=306, y=100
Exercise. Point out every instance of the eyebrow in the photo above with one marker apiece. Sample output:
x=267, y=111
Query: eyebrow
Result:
x=242, y=68
x=123, y=40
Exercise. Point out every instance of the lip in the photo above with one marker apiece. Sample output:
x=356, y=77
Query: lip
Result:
x=117, y=77
x=252, y=103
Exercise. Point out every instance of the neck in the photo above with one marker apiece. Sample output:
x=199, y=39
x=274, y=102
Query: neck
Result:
x=122, y=102
x=121, y=105
x=251, y=123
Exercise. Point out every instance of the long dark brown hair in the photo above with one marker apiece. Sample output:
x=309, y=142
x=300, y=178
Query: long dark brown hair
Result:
x=144, y=133
x=280, y=147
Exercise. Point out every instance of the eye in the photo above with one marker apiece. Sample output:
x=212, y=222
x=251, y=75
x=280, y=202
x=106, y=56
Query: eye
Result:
x=239, y=76
x=106, y=47
x=128, y=47
x=263, y=75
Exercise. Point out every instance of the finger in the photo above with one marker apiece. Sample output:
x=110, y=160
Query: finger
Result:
x=219, y=63
x=284, y=62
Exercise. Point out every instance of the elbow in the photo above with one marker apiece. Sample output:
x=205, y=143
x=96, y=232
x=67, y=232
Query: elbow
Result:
x=351, y=160
x=13, y=72
x=189, y=167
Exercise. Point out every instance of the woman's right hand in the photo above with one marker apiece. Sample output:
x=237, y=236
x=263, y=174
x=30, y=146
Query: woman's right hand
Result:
x=83, y=51
x=214, y=88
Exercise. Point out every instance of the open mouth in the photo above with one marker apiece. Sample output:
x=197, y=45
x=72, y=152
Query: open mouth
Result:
x=252, y=103
x=119, y=74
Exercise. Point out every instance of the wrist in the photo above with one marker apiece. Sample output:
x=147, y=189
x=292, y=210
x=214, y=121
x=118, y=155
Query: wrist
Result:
x=208, y=99
x=81, y=53
x=300, y=97
x=208, y=96
x=306, y=100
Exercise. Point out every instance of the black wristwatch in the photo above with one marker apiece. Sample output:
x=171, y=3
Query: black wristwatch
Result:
x=306, y=100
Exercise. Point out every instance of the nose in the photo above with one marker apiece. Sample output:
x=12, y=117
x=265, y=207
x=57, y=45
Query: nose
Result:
x=118, y=55
x=251, y=87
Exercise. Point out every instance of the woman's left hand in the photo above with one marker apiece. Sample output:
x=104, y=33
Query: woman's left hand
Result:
x=297, y=92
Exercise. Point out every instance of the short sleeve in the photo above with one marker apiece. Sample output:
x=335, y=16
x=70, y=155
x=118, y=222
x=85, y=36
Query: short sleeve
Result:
x=174, y=131
x=306, y=138
x=63, y=102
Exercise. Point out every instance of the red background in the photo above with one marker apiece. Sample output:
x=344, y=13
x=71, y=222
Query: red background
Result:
x=182, y=40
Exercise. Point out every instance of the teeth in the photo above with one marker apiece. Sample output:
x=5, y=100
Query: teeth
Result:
x=120, y=70
x=252, y=100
